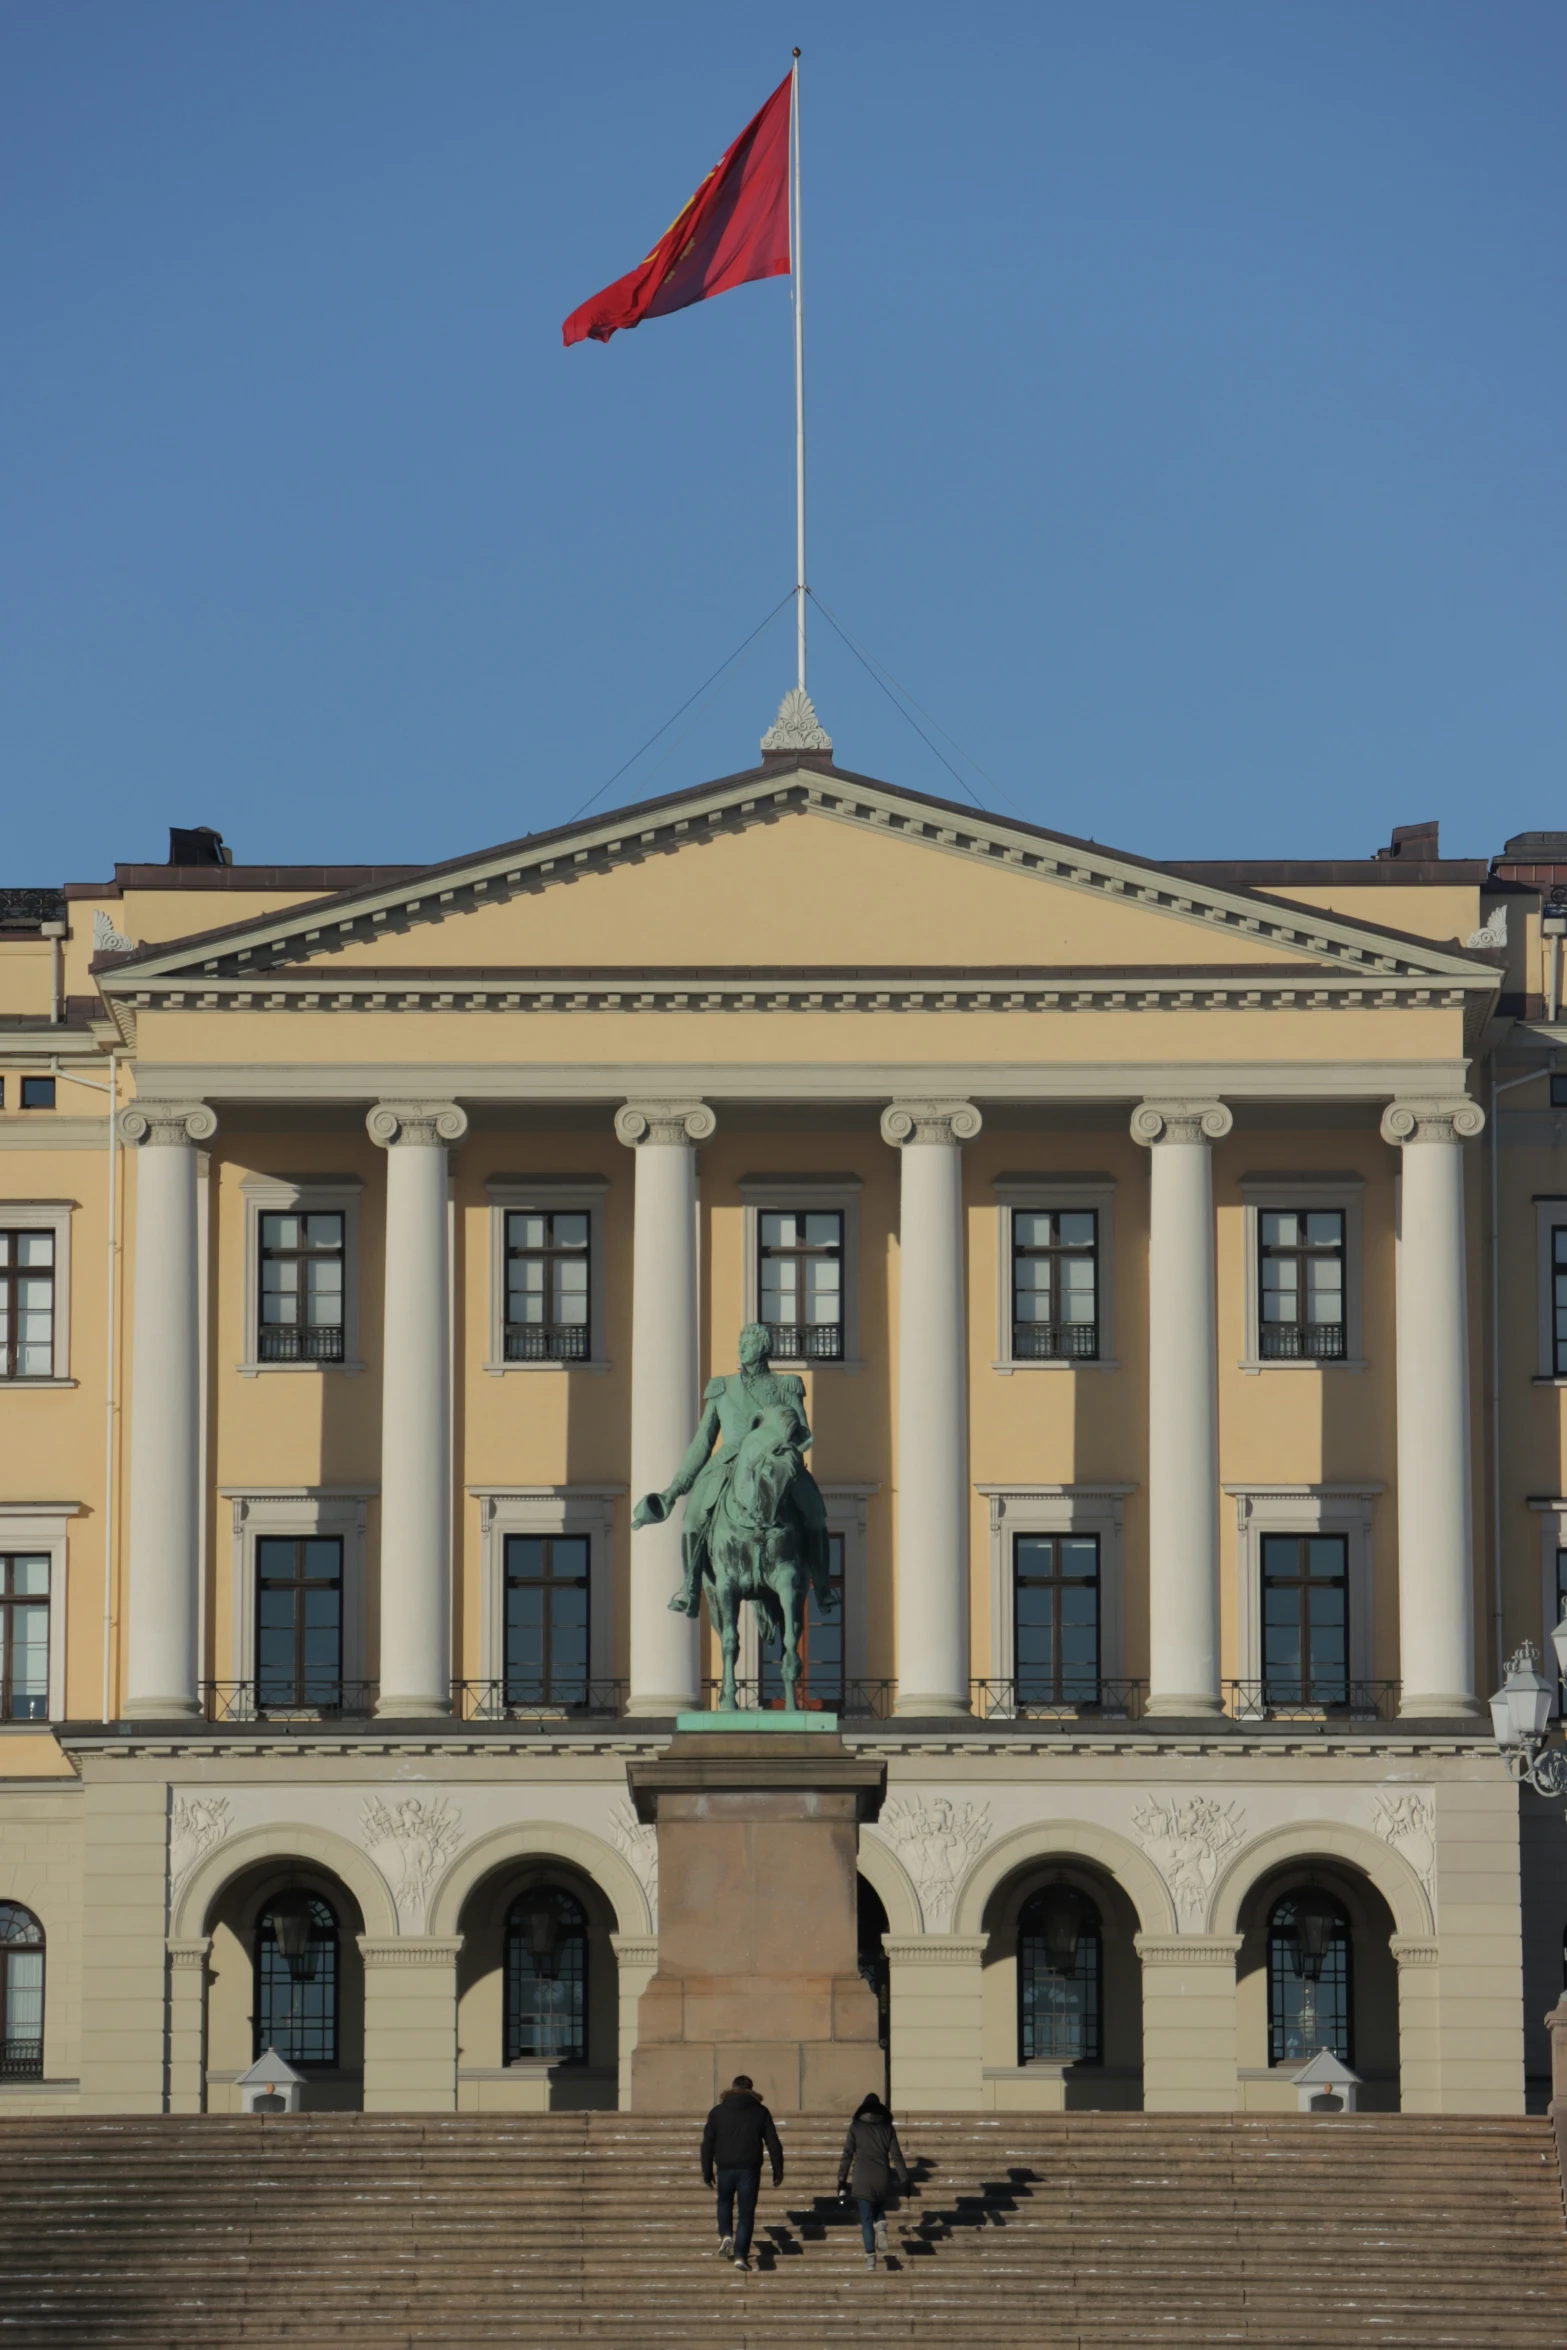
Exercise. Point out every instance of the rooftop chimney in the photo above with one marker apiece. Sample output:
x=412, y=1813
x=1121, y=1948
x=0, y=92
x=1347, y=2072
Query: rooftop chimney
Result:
x=1415, y=842
x=198, y=844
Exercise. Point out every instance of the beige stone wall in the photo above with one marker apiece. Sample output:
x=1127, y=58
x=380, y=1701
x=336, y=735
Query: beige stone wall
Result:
x=41, y=1867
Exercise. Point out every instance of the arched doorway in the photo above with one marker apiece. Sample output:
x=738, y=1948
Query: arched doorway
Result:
x=1314, y=1972
x=538, y=1992
x=874, y=1966
x=1062, y=1992
x=285, y=1972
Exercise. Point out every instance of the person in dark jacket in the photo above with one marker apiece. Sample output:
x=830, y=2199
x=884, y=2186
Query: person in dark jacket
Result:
x=738, y=2128
x=871, y=2160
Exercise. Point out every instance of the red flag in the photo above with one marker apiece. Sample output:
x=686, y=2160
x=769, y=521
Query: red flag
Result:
x=735, y=227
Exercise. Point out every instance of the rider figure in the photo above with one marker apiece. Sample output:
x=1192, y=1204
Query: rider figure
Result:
x=733, y=1406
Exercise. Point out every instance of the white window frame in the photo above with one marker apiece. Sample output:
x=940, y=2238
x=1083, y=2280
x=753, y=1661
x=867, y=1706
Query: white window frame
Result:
x=1550, y=1210
x=581, y=1195
x=1552, y=1513
x=837, y=1195
x=848, y=1511
x=587, y=1510
x=47, y=1215
x=43, y=1527
x=1039, y=1195
x=300, y=1194
x=1303, y=1509
x=293, y=1512
x=1058, y=1509
x=1312, y=1190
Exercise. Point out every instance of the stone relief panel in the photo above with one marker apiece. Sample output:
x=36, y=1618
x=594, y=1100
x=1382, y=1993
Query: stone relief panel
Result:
x=411, y=1842
x=1188, y=1841
x=1408, y=1824
x=196, y=1824
x=638, y=1847
x=936, y=1842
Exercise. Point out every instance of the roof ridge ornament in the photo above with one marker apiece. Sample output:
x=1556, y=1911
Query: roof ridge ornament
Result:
x=797, y=727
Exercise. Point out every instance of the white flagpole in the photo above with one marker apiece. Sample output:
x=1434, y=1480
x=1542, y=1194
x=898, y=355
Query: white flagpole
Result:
x=799, y=364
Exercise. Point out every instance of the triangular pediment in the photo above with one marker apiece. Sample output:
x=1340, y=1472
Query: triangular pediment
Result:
x=793, y=867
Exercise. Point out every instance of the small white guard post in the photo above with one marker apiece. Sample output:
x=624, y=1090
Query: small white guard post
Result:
x=1325, y=2085
x=270, y=2086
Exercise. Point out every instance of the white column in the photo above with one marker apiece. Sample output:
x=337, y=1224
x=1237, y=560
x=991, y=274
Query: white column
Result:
x=416, y=1462
x=165, y=1508
x=1183, y=1407
x=665, y=1659
x=933, y=1495
x=1435, y=1504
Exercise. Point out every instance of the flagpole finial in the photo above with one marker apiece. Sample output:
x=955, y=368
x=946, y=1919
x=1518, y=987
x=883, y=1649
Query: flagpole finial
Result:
x=797, y=727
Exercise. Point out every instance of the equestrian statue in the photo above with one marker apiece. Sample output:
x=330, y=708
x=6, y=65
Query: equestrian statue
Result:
x=755, y=1523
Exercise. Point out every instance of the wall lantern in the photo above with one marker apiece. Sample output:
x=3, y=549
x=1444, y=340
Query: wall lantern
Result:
x=294, y=1931
x=1316, y=1923
x=1521, y=1718
x=541, y=1928
x=1062, y=1928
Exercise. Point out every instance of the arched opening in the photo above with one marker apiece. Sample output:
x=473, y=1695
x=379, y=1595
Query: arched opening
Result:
x=873, y=1962
x=285, y=1973
x=1063, y=2028
x=538, y=1992
x=22, y=1951
x=1315, y=1971
x=546, y=1978
x=295, y=2008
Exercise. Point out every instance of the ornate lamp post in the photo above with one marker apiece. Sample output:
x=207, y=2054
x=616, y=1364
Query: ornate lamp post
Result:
x=1521, y=1716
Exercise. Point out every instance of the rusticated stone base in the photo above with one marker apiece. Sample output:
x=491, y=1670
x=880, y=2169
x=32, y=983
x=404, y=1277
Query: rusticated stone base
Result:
x=758, y=1962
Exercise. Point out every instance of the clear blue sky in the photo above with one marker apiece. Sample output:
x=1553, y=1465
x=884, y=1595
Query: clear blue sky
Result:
x=1186, y=396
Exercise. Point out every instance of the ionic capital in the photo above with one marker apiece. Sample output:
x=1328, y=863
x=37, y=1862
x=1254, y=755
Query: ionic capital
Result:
x=425, y=1123
x=948, y=1122
x=1156, y=1122
x=1451, y=1121
x=166, y=1125
x=637, y=1123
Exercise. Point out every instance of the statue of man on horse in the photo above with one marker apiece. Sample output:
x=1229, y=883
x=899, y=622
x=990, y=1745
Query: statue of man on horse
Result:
x=755, y=1523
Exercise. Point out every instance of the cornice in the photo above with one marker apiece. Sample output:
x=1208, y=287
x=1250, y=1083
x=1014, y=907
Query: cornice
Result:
x=315, y=928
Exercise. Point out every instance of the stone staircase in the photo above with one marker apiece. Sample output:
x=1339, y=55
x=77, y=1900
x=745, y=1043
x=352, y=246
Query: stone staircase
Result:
x=1061, y=2232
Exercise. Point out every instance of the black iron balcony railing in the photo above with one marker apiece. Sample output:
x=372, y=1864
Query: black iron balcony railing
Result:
x=531, y=1342
x=854, y=1697
x=22, y=2060
x=1055, y=1342
x=1322, y=1697
x=1065, y=1698
x=317, y=1343
x=267, y=1699
x=532, y=1699
x=1302, y=1342
x=807, y=1342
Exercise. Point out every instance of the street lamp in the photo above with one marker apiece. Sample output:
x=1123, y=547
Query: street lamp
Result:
x=1521, y=1715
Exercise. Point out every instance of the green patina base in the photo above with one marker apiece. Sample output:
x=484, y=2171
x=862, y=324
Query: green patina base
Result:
x=754, y=1722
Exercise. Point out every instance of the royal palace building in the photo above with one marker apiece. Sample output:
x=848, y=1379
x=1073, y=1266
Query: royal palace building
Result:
x=1175, y=1260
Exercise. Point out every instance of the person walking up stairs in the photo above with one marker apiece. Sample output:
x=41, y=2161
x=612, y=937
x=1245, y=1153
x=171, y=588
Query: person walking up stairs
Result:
x=738, y=2129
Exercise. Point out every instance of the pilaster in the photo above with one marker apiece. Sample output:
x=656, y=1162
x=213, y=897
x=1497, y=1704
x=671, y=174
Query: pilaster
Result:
x=410, y=2024
x=936, y=2000
x=1189, y=2022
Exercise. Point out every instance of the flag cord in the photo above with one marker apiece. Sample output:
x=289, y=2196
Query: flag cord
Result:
x=799, y=368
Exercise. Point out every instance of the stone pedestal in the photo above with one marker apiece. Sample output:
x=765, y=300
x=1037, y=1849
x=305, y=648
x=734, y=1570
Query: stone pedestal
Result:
x=758, y=1945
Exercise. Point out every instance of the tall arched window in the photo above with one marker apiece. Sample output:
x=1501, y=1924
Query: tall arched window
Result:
x=297, y=1979
x=21, y=1994
x=1308, y=1978
x=1060, y=1977
x=546, y=1977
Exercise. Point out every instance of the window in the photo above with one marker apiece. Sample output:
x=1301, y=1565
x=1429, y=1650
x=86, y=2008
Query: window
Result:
x=1559, y=1301
x=547, y=1287
x=546, y=1978
x=547, y=1610
x=1308, y=1979
x=1055, y=1597
x=800, y=1282
x=296, y=1980
x=821, y=1683
x=1305, y=1619
x=27, y=1305
x=299, y=1621
x=1301, y=1284
x=1060, y=1977
x=38, y=1093
x=21, y=1994
x=1055, y=1284
x=2, y=1093
x=24, y=1637
x=301, y=1288
x=1559, y=1093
